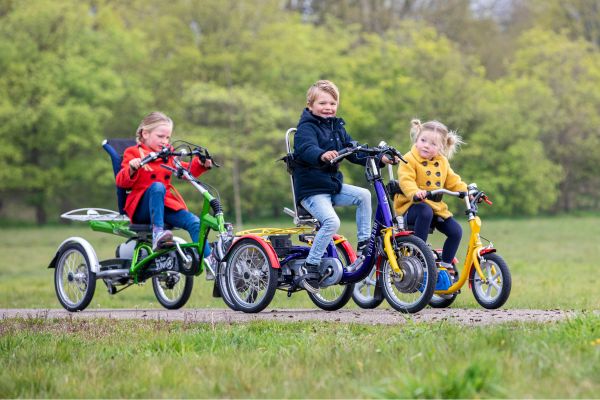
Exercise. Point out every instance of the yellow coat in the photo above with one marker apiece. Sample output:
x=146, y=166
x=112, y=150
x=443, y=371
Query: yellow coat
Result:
x=422, y=174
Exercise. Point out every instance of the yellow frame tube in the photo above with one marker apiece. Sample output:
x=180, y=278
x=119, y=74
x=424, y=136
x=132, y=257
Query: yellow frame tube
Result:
x=471, y=260
x=389, y=250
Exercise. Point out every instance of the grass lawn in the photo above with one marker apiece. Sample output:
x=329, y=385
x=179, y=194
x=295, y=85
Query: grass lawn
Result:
x=158, y=359
x=553, y=265
x=552, y=261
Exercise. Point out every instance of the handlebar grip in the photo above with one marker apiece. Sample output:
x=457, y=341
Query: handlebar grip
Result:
x=417, y=199
x=165, y=166
x=149, y=158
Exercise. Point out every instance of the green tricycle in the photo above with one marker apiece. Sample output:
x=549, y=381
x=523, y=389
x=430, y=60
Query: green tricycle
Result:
x=171, y=268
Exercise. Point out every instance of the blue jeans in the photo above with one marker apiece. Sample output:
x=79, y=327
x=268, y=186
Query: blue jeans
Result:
x=421, y=216
x=321, y=207
x=151, y=209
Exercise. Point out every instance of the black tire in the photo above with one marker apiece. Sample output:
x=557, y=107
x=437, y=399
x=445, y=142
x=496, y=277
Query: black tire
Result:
x=221, y=286
x=249, y=275
x=74, y=281
x=334, y=297
x=442, y=301
x=172, y=289
x=411, y=292
x=495, y=269
x=364, y=291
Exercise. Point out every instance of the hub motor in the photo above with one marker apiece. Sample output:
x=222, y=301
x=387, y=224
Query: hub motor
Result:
x=413, y=275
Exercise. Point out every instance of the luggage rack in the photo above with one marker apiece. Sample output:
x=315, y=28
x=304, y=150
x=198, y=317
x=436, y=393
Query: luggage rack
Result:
x=94, y=214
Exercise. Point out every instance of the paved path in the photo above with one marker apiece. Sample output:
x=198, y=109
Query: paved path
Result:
x=370, y=317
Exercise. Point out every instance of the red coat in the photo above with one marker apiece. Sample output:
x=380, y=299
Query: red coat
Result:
x=143, y=178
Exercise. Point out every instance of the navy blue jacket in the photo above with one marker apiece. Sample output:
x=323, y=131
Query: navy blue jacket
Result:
x=314, y=136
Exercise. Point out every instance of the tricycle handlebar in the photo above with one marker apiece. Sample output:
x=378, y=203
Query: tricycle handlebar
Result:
x=378, y=152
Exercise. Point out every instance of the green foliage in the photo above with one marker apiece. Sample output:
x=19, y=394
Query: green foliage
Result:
x=517, y=83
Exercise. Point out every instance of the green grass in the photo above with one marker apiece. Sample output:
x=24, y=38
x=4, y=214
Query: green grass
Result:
x=553, y=261
x=553, y=265
x=151, y=359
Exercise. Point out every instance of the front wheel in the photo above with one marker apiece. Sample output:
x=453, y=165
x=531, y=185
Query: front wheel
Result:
x=410, y=290
x=172, y=289
x=250, y=278
x=494, y=291
x=334, y=297
x=364, y=291
x=74, y=280
x=221, y=287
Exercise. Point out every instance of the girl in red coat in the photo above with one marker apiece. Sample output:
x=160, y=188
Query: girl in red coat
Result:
x=152, y=198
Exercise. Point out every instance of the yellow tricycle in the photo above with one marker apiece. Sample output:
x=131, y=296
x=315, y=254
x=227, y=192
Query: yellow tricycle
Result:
x=486, y=271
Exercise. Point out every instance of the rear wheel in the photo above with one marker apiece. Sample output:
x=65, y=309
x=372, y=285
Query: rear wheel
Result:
x=494, y=291
x=364, y=291
x=172, y=289
x=250, y=278
x=410, y=290
x=74, y=280
x=334, y=297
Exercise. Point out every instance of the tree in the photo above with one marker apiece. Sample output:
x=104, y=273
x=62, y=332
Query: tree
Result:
x=59, y=89
x=244, y=126
x=570, y=70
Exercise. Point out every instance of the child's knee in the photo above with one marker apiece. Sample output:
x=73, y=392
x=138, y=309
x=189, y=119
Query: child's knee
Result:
x=365, y=196
x=424, y=210
x=194, y=224
x=158, y=187
x=332, y=223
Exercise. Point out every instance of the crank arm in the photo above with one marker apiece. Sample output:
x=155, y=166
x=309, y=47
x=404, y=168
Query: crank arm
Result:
x=187, y=260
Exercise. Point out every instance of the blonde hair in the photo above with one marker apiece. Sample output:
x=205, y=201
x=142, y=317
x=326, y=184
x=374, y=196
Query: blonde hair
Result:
x=322, y=86
x=449, y=140
x=150, y=122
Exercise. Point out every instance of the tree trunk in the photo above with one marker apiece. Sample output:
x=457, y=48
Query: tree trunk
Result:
x=237, y=202
x=40, y=214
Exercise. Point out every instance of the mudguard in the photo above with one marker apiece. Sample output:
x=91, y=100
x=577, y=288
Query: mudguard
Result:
x=87, y=247
x=346, y=245
x=266, y=247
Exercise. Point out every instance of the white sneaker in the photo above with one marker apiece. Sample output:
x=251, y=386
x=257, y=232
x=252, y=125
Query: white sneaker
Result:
x=161, y=238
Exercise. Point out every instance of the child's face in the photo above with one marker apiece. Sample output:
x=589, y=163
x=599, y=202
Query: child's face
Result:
x=157, y=137
x=428, y=144
x=324, y=105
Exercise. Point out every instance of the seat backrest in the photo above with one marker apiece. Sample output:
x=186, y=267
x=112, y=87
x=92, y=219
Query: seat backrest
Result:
x=302, y=216
x=115, y=149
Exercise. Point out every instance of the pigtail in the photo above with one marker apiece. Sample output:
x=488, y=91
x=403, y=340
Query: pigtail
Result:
x=138, y=134
x=453, y=142
x=415, y=129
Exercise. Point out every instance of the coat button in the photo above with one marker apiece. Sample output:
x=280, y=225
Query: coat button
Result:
x=167, y=177
x=424, y=163
x=438, y=184
x=428, y=173
x=153, y=177
x=438, y=173
x=437, y=164
x=428, y=183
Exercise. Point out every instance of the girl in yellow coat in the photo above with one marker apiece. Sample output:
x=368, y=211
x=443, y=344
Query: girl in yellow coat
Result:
x=427, y=168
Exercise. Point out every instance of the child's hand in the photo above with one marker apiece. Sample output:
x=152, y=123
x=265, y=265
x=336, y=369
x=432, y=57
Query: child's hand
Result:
x=134, y=165
x=386, y=160
x=329, y=155
x=421, y=194
x=207, y=163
